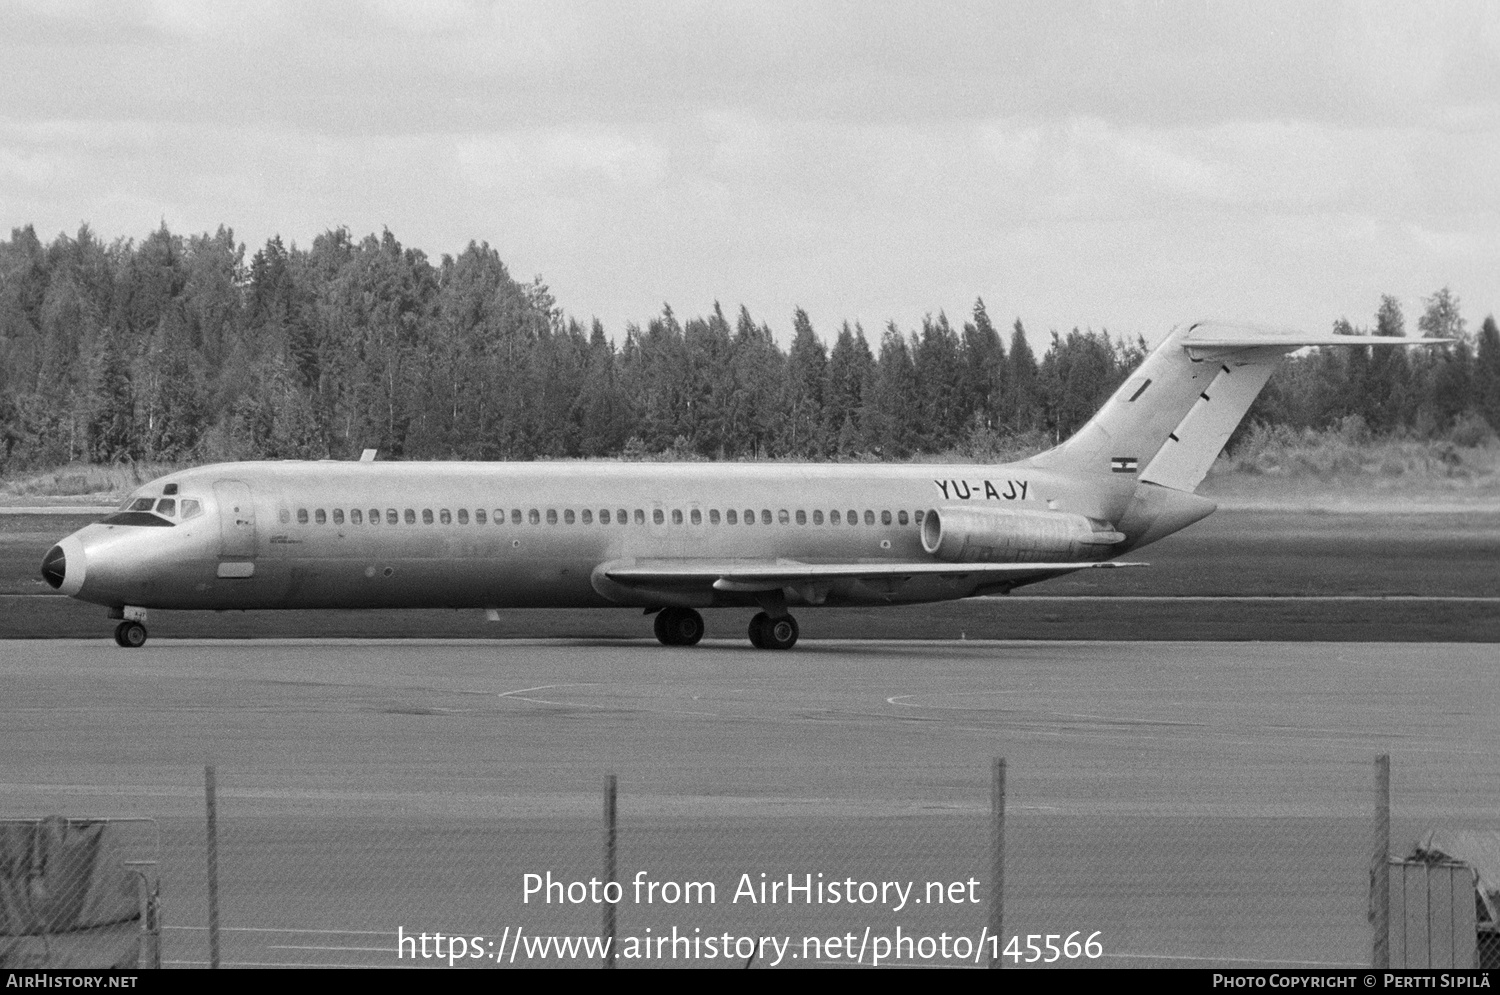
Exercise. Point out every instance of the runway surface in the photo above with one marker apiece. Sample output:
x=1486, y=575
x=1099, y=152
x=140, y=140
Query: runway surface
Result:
x=1195, y=804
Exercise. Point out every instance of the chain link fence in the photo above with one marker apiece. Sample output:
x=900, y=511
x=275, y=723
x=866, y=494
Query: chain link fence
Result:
x=731, y=881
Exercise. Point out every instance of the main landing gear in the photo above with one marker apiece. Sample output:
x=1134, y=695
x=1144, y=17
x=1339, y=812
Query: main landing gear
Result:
x=767, y=633
x=684, y=627
x=678, y=627
x=130, y=634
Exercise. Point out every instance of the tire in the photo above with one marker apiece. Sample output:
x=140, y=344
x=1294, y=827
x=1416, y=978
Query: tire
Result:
x=687, y=627
x=663, y=627
x=120, y=634
x=779, y=633
x=758, y=630
x=131, y=635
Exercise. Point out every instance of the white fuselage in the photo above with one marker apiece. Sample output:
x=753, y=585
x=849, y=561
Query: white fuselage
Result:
x=498, y=535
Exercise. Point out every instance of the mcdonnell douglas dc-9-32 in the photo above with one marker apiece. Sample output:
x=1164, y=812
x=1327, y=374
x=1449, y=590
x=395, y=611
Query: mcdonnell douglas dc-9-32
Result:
x=673, y=538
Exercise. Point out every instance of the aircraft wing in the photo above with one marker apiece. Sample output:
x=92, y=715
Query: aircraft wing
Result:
x=770, y=575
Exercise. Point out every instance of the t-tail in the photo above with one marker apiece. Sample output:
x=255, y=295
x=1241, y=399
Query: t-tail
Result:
x=1170, y=420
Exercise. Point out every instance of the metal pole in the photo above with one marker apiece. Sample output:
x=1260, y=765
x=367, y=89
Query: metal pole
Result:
x=610, y=834
x=997, y=861
x=213, y=866
x=1380, y=874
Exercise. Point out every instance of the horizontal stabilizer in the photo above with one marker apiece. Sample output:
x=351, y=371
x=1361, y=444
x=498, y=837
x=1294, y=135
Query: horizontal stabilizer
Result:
x=1221, y=335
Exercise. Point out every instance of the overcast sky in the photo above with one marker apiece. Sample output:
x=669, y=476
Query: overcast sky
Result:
x=1124, y=165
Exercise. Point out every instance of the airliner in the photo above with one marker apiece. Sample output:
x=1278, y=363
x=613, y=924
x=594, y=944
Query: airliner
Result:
x=669, y=539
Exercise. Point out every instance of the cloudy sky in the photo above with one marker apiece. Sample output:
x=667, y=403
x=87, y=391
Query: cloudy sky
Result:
x=1125, y=165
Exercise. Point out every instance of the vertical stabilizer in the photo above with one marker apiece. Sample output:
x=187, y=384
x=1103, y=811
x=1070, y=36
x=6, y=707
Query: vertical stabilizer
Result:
x=1172, y=417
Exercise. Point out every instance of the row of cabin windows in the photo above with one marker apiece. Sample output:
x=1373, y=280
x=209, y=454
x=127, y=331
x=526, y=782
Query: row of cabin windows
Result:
x=620, y=516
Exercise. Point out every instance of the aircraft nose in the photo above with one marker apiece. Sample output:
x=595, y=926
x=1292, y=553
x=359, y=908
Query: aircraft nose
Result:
x=55, y=567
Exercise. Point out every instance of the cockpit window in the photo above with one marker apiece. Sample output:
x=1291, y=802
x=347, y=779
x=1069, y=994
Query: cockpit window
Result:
x=167, y=506
x=191, y=508
x=136, y=518
x=140, y=504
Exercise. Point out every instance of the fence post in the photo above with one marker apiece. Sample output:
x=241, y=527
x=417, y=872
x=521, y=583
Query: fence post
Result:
x=1380, y=874
x=210, y=794
x=609, y=869
x=997, y=861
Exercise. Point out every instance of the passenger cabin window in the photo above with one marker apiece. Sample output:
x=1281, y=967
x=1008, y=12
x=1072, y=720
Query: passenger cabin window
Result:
x=551, y=516
x=411, y=516
x=445, y=517
x=426, y=516
x=356, y=517
x=657, y=517
x=640, y=517
x=621, y=518
x=534, y=517
x=463, y=516
x=696, y=517
x=817, y=518
x=392, y=516
x=676, y=516
x=783, y=518
x=515, y=516
x=885, y=518
x=167, y=506
x=479, y=517
x=191, y=508
x=713, y=516
x=765, y=516
x=801, y=517
x=320, y=516
x=833, y=518
x=374, y=516
x=917, y=517
x=588, y=516
x=869, y=517
x=901, y=518
x=853, y=517
x=603, y=516
x=338, y=516
x=301, y=516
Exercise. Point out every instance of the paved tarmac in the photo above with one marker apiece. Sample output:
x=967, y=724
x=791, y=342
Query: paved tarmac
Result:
x=1197, y=804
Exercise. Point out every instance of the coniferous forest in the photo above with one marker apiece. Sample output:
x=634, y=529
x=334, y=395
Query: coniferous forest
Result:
x=178, y=349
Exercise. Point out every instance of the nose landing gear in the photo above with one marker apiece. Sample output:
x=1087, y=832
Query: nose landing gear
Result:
x=130, y=634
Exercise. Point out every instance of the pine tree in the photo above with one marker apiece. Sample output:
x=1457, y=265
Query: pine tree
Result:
x=850, y=365
x=806, y=430
x=1021, y=410
x=984, y=371
x=1487, y=373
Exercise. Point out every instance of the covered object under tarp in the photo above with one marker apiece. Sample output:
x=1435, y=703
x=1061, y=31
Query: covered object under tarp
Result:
x=66, y=898
x=1480, y=849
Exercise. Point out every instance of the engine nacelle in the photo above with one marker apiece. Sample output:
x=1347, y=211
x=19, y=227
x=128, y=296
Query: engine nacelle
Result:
x=966, y=534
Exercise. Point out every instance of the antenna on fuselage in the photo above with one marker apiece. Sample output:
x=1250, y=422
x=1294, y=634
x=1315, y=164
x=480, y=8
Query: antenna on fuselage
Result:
x=368, y=456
